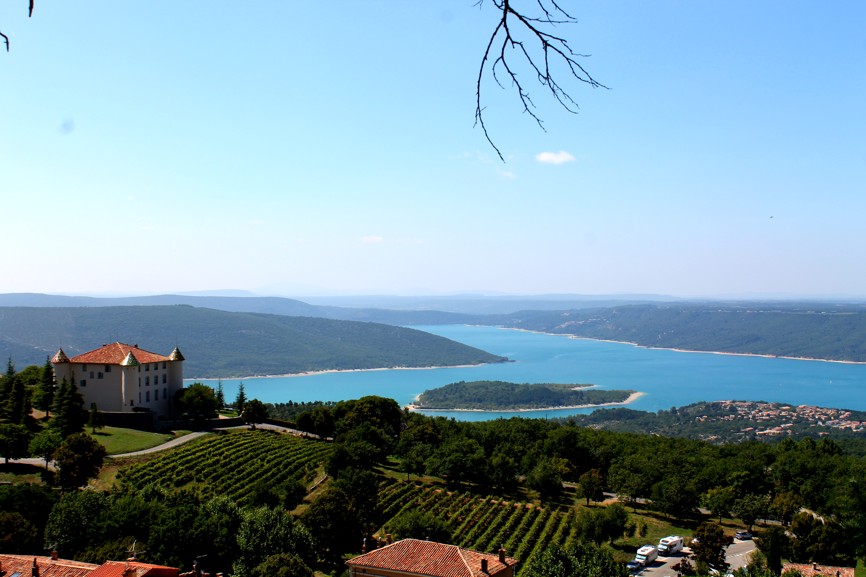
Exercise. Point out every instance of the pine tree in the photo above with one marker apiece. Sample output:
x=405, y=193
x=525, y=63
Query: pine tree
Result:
x=6, y=386
x=43, y=396
x=241, y=399
x=69, y=416
x=17, y=407
x=220, y=396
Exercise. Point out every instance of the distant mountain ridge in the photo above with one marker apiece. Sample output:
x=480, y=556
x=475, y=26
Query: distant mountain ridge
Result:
x=806, y=329
x=228, y=344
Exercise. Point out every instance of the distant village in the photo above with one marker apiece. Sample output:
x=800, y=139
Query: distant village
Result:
x=776, y=420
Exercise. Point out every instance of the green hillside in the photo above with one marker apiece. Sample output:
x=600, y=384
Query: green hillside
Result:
x=218, y=343
x=809, y=330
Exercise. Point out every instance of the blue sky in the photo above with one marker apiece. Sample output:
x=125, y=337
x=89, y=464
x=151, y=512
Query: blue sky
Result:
x=301, y=148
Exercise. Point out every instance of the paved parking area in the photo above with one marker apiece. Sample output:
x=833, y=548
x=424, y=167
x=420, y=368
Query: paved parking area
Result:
x=737, y=555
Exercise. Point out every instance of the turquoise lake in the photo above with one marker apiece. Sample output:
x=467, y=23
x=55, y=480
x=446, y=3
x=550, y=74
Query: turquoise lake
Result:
x=667, y=378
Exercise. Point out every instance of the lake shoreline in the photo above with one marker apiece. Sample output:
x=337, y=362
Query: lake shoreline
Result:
x=679, y=350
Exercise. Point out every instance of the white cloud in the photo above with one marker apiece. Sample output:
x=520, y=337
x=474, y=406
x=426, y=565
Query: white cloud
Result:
x=560, y=157
x=372, y=239
x=507, y=174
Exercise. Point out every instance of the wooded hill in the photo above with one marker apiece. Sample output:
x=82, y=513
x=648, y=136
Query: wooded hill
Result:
x=503, y=396
x=225, y=344
x=808, y=330
x=822, y=330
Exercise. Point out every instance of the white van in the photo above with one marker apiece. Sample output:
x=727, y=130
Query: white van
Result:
x=670, y=545
x=646, y=555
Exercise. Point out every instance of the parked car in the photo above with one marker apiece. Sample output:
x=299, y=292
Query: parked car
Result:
x=743, y=535
x=634, y=566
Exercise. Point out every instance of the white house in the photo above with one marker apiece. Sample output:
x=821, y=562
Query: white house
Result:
x=123, y=378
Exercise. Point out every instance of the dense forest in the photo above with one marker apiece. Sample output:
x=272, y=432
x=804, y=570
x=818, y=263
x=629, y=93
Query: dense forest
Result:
x=222, y=344
x=503, y=396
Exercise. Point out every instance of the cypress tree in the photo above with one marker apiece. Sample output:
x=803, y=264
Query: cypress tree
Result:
x=43, y=397
x=6, y=386
x=241, y=399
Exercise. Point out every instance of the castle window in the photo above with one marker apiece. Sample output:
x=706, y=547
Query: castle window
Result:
x=91, y=374
x=84, y=367
x=99, y=375
x=146, y=367
x=82, y=383
x=147, y=396
x=146, y=381
x=163, y=365
x=164, y=393
x=163, y=379
x=107, y=368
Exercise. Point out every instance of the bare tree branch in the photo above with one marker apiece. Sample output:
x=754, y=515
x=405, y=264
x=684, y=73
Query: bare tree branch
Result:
x=6, y=38
x=526, y=40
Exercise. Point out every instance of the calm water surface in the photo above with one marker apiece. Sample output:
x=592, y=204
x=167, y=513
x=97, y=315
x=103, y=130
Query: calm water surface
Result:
x=668, y=378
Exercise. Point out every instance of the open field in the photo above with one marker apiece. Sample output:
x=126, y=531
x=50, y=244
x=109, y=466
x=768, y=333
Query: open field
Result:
x=117, y=440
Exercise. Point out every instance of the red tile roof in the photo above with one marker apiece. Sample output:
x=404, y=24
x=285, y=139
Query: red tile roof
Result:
x=47, y=566
x=813, y=570
x=430, y=558
x=115, y=353
x=132, y=569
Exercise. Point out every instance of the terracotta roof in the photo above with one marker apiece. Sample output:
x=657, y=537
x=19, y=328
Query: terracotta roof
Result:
x=47, y=566
x=116, y=353
x=813, y=570
x=132, y=569
x=430, y=558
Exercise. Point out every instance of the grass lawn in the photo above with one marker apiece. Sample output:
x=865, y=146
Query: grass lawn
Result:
x=116, y=440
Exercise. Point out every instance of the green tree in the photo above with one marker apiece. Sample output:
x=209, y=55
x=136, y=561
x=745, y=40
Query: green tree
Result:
x=709, y=548
x=460, y=460
x=546, y=477
x=78, y=459
x=601, y=525
x=6, y=386
x=265, y=532
x=332, y=524
x=43, y=395
x=18, y=535
x=220, y=396
x=773, y=543
x=95, y=419
x=719, y=500
x=282, y=565
x=75, y=521
x=241, y=399
x=254, y=412
x=579, y=560
x=675, y=495
x=590, y=486
x=750, y=508
x=14, y=441
x=45, y=443
x=416, y=524
x=69, y=416
x=785, y=505
x=198, y=401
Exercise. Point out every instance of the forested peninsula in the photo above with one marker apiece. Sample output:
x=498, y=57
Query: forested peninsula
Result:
x=228, y=344
x=505, y=396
